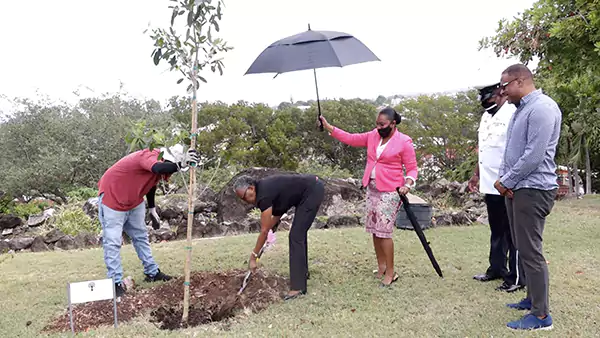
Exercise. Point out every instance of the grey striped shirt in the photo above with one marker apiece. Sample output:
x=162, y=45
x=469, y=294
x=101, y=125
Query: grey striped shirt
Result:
x=531, y=142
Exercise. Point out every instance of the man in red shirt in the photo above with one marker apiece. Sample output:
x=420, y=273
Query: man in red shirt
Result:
x=121, y=206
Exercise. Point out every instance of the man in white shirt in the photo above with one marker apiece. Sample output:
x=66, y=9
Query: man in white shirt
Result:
x=492, y=142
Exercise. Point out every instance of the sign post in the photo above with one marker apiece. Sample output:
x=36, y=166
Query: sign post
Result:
x=91, y=291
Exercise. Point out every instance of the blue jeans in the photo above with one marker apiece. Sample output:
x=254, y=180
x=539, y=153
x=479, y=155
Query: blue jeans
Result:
x=134, y=223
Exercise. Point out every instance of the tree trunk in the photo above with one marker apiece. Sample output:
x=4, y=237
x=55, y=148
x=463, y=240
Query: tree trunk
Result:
x=569, y=171
x=576, y=178
x=588, y=168
x=569, y=181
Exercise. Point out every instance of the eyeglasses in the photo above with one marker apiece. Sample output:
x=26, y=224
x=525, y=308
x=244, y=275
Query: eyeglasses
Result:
x=503, y=86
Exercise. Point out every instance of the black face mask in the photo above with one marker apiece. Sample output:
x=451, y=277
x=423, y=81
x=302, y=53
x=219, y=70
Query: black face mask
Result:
x=385, y=132
x=490, y=107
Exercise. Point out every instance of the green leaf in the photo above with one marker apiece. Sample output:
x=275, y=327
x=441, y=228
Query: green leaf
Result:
x=173, y=16
x=198, y=12
x=216, y=26
x=202, y=79
x=190, y=18
x=220, y=68
x=180, y=81
x=157, y=57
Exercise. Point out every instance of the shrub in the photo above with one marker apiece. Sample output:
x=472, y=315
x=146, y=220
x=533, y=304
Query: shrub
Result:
x=81, y=194
x=316, y=168
x=73, y=220
x=23, y=210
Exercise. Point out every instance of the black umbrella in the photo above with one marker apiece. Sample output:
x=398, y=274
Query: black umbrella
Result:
x=419, y=231
x=311, y=50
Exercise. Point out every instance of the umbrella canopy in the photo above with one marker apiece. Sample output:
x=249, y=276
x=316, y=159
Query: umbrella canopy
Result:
x=312, y=50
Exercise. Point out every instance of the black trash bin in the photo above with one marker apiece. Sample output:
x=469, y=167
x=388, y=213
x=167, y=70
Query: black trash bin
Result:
x=423, y=212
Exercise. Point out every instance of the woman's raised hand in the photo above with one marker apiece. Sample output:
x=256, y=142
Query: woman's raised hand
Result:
x=326, y=125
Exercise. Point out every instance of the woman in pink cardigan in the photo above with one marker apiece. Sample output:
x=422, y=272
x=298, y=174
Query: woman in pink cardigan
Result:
x=388, y=150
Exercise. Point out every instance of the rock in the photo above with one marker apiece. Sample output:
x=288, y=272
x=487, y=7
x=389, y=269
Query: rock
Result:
x=439, y=187
x=53, y=236
x=7, y=232
x=176, y=207
x=4, y=246
x=205, y=193
x=67, y=242
x=49, y=212
x=163, y=234
x=455, y=187
x=85, y=240
x=483, y=219
x=214, y=229
x=36, y=220
x=21, y=243
x=232, y=209
x=39, y=245
x=461, y=218
x=10, y=221
x=453, y=218
x=338, y=206
x=91, y=207
x=343, y=222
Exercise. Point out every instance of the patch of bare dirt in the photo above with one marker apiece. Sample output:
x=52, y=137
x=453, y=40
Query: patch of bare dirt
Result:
x=213, y=297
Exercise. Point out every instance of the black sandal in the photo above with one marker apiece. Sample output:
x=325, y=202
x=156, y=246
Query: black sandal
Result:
x=290, y=297
x=396, y=277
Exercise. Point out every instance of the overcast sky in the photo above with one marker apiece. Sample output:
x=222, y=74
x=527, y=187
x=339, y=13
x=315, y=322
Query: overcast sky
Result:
x=55, y=47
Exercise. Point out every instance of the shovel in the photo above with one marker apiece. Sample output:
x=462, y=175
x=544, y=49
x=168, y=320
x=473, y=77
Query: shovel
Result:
x=247, y=278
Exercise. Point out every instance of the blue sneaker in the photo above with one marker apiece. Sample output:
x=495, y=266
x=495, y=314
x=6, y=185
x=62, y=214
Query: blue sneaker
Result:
x=532, y=323
x=524, y=304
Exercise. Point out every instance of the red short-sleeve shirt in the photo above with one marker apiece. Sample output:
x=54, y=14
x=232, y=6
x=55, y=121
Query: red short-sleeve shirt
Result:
x=127, y=182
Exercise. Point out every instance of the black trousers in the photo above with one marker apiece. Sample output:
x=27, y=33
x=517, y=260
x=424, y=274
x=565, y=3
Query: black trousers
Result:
x=502, y=248
x=305, y=214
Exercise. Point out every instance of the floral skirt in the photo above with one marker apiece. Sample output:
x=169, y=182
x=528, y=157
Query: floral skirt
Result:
x=382, y=208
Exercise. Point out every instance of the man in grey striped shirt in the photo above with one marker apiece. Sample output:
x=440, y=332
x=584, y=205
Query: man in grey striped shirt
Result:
x=528, y=181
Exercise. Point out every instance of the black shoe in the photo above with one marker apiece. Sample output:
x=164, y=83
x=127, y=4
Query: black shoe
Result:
x=484, y=277
x=507, y=287
x=119, y=290
x=158, y=277
x=290, y=297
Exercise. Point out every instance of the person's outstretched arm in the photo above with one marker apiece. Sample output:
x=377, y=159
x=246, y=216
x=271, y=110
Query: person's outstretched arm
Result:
x=353, y=140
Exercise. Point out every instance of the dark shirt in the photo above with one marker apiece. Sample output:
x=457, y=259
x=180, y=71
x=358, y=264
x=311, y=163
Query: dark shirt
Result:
x=283, y=192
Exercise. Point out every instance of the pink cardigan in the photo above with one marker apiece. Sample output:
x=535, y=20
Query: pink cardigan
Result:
x=399, y=151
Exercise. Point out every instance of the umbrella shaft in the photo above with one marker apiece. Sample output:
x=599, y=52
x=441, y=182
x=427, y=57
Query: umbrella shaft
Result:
x=317, y=88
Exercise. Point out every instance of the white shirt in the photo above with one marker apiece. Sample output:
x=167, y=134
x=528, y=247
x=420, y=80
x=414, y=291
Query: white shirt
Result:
x=380, y=149
x=492, y=141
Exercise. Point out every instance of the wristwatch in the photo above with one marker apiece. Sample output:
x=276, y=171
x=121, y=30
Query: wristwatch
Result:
x=409, y=186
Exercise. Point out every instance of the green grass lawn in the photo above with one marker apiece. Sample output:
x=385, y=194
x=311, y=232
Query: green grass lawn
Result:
x=344, y=298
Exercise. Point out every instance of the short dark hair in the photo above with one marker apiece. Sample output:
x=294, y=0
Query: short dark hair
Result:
x=519, y=71
x=391, y=114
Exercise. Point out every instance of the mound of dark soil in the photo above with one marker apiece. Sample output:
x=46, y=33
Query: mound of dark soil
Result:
x=213, y=297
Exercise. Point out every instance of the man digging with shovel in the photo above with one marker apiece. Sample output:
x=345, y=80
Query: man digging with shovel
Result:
x=274, y=196
x=121, y=206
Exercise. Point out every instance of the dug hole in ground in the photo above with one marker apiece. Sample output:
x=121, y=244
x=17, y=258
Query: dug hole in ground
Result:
x=213, y=297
